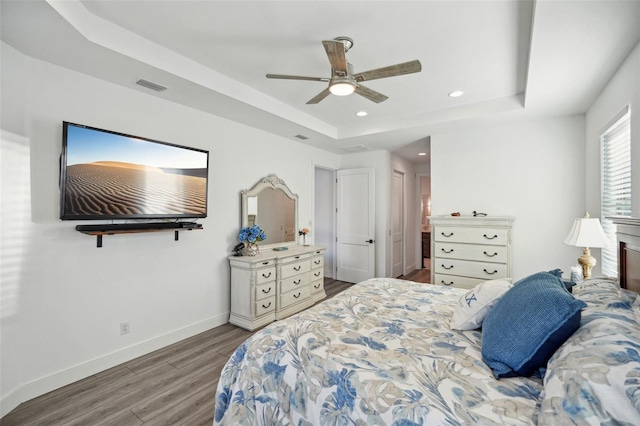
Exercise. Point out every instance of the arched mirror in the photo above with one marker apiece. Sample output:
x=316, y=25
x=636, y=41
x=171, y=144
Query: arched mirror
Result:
x=272, y=205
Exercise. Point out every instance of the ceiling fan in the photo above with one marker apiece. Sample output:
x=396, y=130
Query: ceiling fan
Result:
x=343, y=81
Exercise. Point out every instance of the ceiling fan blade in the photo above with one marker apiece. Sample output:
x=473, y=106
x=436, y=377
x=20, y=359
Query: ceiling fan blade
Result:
x=297, y=77
x=337, y=58
x=390, y=71
x=320, y=96
x=372, y=95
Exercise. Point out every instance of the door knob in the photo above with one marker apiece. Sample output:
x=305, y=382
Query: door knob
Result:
x=369, y=241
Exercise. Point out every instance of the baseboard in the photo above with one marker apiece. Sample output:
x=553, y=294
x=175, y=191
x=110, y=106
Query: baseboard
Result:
x=65, y=377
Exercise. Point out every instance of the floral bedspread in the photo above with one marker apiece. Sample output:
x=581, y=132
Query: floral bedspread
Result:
x=379, y=353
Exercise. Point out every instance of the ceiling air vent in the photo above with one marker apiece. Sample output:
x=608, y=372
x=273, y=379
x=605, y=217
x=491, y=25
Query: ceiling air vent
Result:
x=150, y=85
x=355, y=148
x=301, y=137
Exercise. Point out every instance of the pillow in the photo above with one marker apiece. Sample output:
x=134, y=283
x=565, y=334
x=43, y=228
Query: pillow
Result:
x=528, y=324
x=474, y=305
x=594, y=377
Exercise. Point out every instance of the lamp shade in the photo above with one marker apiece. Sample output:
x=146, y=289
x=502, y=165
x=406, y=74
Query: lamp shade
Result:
x=587, y=232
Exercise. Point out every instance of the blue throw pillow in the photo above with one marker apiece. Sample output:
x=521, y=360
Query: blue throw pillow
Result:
x=528, y=324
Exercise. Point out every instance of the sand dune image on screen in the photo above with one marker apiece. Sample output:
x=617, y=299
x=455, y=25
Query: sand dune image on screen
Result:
x=116, y=188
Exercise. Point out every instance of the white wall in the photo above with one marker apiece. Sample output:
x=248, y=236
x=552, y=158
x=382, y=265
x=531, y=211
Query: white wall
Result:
x=622, y=90
x=531, y=170
x=324, y=229
x=67, y=297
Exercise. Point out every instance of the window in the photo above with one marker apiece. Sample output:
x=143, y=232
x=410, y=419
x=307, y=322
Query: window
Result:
x=615, y=144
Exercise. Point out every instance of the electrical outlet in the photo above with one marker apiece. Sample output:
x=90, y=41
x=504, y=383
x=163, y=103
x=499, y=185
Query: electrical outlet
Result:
x=124, y=327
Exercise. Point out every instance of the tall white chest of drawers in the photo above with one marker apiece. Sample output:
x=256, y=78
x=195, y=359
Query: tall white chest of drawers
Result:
x=468, y=250
x=275, y=284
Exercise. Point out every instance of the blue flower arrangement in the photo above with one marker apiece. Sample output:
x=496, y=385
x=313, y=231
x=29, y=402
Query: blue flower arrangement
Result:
x=251, y=234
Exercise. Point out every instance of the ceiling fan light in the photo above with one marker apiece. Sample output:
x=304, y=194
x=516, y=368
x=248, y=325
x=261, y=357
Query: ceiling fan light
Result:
x=342, y=89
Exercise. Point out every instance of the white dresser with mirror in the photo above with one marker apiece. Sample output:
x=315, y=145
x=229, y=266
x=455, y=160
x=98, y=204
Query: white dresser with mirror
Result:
x=285, y=277
x=275, y=284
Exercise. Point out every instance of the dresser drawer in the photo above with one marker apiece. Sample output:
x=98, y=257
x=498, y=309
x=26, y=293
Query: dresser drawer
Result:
x=265, y=305
x=317, y=274
x=459, y=234
x=456, y=281
x=485, y=253
x=317, y=262
x=265, y=290
x=295, y=258
x=295, y=296
x=294, y=282
x=317, y=286
x=265, y=275
x=482, y=270
x=295, y=268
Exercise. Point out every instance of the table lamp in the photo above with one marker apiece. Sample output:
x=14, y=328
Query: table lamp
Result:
x=587, y=232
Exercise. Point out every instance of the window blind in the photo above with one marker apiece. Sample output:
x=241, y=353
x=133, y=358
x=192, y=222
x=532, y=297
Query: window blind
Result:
x=615, y=197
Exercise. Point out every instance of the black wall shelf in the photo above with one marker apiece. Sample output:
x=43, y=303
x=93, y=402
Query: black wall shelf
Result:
x=135, y=228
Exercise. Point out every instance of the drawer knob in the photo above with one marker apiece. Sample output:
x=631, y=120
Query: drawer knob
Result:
x=448, y=235
x=491, y=273
x=316, y=274
x=297, y=282
x=490, y=255
x=442, y=281
x=317, y=262
x=266, y=291
x=297, y=295
x=268, y=304
x=490, y=238
x=447, y=251
x=317, y=286
x=297, y=268
x=451, y=267
x=266, y=275
x=297, y=257
x=265, y=263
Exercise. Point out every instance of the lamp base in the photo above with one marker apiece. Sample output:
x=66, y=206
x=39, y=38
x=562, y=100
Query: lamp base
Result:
x=587, y=262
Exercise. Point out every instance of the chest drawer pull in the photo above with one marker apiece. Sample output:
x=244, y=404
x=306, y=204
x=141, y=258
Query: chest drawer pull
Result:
x=448, y=235
x=316, y=274
x=268, y=304
x=490, y=238
x=269, y=274
x=448, y=251
x=266, y=291
x=451, y=267
x=490, y=255
x=296, y=282
x=442, y=281
x=495, y=271
x=265, y=263
x=297, y=295
x=316, y=262
x=297, y=268
x=297, y=257
x=317, y=286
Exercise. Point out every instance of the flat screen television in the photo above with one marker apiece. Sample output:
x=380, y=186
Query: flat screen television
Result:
x=108, y=175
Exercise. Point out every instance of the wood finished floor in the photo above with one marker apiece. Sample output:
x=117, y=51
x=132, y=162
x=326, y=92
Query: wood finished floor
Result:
x=174, y=385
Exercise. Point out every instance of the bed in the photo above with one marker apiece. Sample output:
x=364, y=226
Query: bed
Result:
x=384, y=352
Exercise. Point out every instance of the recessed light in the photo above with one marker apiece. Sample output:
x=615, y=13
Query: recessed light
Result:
x=456, y=94
x=361, y=113
x=422, y=153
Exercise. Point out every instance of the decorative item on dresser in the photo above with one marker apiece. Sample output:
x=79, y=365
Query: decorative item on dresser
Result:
x=587, y=232
x=275, y=284
x=467, y=250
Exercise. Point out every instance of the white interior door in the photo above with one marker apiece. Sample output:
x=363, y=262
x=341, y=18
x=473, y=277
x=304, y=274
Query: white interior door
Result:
x=397, y=224
x=355, y=249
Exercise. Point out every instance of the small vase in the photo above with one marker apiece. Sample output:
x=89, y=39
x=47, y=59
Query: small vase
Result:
x=251, y=249
x=304, y=240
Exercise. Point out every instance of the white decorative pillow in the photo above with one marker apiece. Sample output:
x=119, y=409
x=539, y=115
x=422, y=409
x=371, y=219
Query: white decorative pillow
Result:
x=476, y=303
